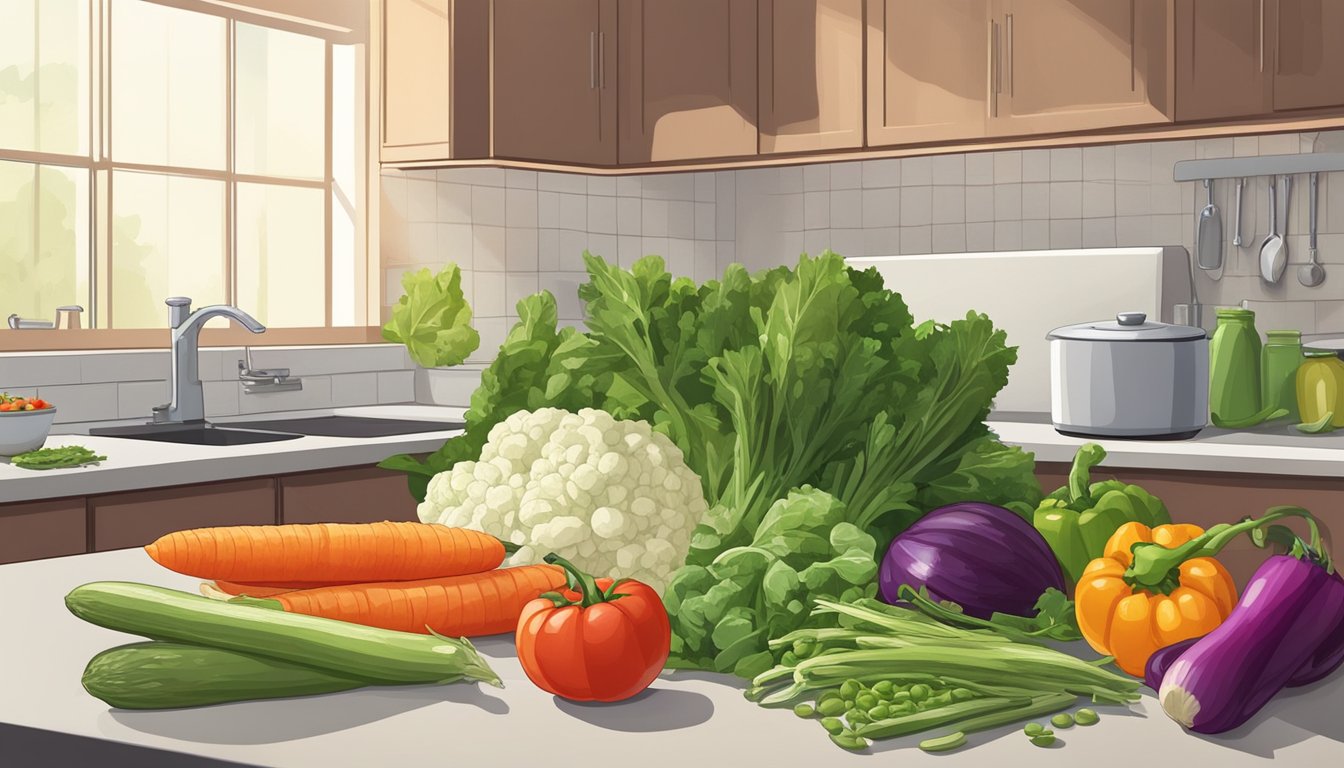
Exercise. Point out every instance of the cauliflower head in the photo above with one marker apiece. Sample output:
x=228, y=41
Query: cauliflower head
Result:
x=611, y=496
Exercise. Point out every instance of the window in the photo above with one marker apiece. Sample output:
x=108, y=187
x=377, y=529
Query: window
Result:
x=155, y=148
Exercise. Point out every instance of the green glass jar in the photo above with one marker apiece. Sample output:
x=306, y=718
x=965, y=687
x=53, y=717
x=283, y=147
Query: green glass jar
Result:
x=1279, y=361
x=1320, y=380
x=1234, y=366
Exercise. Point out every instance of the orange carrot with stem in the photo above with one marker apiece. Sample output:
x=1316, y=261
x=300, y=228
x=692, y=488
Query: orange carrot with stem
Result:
x=457, y=606
x=324, y=553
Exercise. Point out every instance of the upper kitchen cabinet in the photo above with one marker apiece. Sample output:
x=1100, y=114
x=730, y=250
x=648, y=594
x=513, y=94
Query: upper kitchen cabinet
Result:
x=435, y=86
x=811, y=75
x=928, y=70
x=1308, y=70
x=687, y=79
x=555, y=81
x=1076, y=65
x=1221, y=59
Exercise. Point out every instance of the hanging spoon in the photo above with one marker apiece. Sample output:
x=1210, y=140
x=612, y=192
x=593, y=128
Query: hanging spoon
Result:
x=1271, y=250
x=1236, y=235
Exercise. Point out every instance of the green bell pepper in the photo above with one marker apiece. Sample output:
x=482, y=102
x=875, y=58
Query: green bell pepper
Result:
x=1077, y=519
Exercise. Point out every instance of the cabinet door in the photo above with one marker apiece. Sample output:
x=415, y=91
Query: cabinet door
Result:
x=555, y=81
x=811, y=75
x=417, y=113
x=1072, y=65
x=1220, y=59
x=35, y=529
x=135, y=518
x=351, y=495
x=928, y=70
x=1308, y=53
x=687, y=79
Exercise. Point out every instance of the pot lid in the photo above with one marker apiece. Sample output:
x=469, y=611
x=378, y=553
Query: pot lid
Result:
x=1128, y=326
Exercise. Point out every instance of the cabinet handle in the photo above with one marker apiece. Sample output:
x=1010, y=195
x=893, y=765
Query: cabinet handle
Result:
x=602, y=60
x=1262, y=35
x=1008, y=53
x=592, y=61
x=992, y=103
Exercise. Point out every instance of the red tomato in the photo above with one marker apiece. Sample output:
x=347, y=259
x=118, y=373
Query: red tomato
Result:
x=596, y=643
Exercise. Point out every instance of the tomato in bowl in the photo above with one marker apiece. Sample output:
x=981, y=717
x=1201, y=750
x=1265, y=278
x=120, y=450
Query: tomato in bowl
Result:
x=24, y=423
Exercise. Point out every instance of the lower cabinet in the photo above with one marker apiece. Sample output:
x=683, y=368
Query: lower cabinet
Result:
x=135, y=518
x=33, y=530
x=37, y=529
x=1209, y=498
x=351, y=495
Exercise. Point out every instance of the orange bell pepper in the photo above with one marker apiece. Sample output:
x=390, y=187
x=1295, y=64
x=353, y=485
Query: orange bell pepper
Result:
x=1122, y=618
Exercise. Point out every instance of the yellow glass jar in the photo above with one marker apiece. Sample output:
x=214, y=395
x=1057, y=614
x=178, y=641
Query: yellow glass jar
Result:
x=1320, y=381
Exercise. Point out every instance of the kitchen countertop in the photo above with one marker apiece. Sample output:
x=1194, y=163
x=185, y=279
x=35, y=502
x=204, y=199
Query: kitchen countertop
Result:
x=1269, y=450
x=138, y=464
x=684, y=719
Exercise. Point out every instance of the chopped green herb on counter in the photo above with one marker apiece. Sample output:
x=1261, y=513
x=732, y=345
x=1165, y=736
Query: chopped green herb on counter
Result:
x=62, y=457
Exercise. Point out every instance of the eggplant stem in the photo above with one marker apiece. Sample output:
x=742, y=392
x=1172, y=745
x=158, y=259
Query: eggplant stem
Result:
x=1154, y=565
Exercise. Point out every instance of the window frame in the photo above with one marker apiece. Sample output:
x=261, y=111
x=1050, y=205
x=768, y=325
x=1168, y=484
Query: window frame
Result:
x=100, y=166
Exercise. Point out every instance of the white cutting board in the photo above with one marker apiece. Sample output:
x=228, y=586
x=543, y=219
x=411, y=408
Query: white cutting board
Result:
x=1030, y=293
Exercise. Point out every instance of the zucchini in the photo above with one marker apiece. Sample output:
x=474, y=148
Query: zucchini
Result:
x=379, y=656
x=158, y=675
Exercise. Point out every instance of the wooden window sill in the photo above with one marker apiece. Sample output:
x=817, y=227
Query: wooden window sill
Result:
x=152, y=338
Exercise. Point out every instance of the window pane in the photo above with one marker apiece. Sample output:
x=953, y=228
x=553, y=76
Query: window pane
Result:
x=282, y=255
x=346, y=134
x=167, y=240
x=18, y=57
x=63, y=76
x=168, y=86
x=44, y=253
x=281, y=86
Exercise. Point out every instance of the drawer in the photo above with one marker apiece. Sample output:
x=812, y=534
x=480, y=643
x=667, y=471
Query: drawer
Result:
x=349, y=495
x=37, y=529
x=135, y=518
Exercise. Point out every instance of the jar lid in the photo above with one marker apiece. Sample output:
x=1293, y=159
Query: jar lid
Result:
x=1319, y=353
x=1285, y=335
x=1235, y=313
x=1128, y=326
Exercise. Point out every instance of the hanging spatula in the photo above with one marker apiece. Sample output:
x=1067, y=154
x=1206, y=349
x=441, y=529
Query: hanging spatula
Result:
x=1209, y=240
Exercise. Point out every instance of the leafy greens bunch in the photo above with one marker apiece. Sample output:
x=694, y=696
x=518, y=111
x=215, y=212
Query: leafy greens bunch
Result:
x=821, y=421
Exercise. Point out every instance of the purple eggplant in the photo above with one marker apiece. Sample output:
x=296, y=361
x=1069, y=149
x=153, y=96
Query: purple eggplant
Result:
x=982, y=557
x=1287, y=616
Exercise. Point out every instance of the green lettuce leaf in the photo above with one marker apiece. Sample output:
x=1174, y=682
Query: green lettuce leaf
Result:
x=432, y=318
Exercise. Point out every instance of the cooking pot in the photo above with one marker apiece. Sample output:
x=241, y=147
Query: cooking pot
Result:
x=1129, y=378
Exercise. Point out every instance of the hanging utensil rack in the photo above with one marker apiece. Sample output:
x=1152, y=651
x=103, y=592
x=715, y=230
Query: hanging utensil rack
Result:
x=1263, y=165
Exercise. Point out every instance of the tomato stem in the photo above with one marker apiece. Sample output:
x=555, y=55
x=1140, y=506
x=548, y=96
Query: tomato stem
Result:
x=581, y=582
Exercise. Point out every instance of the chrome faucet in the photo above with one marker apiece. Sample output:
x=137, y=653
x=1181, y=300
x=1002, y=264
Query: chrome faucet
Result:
x=188, y=403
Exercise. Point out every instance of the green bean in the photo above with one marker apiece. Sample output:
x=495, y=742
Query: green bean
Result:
x=1086, y=717
x=832, y=724
x=850, y=688
x=1038, y=706
x=919, y=692
x=831, y=707
x=865, y=701
x=804, y=710
x=884, y=688
x=906, y=707
x=943, y=743
x=1043, y=740
x=857, y=717
x=1062, y=720
x=940, y=700
x=829, y=695
x=899, y=696
x=1033, y=729
x=934, y=718
x=847, y=740
x=880, y=712
x=962, y=694
x=788, y=659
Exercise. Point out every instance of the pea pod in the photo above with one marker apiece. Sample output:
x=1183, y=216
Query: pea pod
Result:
x=1078, y=518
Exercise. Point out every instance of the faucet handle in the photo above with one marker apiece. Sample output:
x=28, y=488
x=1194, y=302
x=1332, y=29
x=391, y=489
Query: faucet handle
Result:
x=178, y=309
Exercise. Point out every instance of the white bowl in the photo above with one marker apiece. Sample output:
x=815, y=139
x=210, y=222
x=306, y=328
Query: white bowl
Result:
x=23, y=431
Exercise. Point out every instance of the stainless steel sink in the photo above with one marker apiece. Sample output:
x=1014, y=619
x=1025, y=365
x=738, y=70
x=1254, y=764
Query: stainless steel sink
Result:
x=193, y=434
x=350, y=426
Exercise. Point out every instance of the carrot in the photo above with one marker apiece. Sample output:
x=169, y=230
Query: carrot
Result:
x=456, y=606
x=273, y=588
x=326, y=553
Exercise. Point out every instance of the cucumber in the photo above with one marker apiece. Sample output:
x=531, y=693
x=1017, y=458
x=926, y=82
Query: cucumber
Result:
x=158, y=675
x=378, y=656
